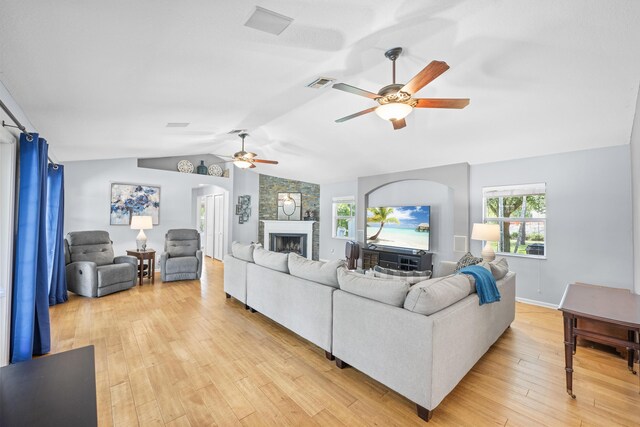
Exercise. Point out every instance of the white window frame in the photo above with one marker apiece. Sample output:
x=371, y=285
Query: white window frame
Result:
x=511, y=191
x=335, y=217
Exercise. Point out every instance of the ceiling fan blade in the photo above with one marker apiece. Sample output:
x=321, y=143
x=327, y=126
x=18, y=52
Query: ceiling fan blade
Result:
x=398, y=124
x=354, y=115
x=442, y=102
x=270, y=162
x=355, y=90
x=424, y=77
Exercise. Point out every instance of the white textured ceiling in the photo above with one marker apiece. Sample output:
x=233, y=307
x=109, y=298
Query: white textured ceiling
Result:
x=100, y=79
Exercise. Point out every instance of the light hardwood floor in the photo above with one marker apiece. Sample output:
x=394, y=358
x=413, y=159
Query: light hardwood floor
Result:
x=180, y=354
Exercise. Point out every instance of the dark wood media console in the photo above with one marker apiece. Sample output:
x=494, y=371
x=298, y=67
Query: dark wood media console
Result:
x=397, y=259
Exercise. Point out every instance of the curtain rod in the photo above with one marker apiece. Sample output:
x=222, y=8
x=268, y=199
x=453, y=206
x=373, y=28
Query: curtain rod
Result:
x=19, y=126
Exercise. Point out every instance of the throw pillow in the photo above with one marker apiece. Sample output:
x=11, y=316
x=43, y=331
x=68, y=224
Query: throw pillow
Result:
x=412, y=277
x=499, y=268
x=431, y=296
x=243, y=252
x=467, y=260
x=392, y=292
x=325, y=273
x=273, y=260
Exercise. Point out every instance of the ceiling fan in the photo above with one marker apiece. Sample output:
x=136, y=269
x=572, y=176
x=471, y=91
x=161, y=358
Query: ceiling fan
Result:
x=246, y=159
x=396, y=100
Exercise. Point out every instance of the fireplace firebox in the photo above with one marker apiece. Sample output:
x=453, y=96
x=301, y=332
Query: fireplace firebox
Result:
x=288, y=242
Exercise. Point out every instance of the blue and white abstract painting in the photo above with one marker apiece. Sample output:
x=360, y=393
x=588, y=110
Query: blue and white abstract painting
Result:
x=134, y=199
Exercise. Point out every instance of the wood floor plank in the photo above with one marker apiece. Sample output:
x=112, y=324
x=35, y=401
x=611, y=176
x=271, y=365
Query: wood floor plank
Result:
x=181, y=354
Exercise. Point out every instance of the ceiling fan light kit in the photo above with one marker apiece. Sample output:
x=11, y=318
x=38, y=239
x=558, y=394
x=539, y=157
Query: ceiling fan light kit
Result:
x=396, y=100
x=394, y=111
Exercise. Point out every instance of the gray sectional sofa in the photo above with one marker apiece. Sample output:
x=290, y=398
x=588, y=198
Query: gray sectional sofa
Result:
x=419, y=341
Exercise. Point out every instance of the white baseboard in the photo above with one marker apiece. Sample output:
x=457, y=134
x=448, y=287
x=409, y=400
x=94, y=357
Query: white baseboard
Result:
x=538, y=303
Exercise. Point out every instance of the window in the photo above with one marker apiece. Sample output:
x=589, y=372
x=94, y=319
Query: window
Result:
x=344, y=218
x=521, y=213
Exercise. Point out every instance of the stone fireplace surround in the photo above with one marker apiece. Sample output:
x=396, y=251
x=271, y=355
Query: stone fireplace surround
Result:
x=289, y=227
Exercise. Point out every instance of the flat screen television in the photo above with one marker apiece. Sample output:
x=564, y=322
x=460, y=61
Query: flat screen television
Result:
x=399, y=226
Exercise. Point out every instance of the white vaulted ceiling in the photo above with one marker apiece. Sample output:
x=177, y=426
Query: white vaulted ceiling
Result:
x=100, y=79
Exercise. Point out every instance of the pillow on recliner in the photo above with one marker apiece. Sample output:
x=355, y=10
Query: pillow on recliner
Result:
x=180, y=248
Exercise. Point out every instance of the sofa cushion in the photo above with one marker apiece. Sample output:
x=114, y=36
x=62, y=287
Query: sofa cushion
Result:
x=115, y=273
x=411, y=277
x=433, y=295
x=499, y=268
x=243, y=252
x=325, y=273
x=467, y=260
x=100, y=253
x=181, y=248
x=273, y=260
x=388, y=291
x=185, y=264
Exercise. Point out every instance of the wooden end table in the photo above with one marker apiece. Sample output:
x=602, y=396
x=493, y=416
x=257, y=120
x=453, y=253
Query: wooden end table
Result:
x=149, y=256
x=617, y=307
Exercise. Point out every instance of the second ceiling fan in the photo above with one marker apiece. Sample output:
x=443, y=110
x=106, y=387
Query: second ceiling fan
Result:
x=396, y=100
x=246, y=159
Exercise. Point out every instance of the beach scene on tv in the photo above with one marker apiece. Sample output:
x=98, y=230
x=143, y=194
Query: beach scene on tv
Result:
x=399, y=226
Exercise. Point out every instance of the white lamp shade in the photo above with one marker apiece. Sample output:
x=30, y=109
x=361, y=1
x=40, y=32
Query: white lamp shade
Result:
x=488, y=232
x=394, y=111
x=141, y=222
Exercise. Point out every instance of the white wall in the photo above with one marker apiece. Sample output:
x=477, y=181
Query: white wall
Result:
x=246, y=182
x=331, y=247
x=589, y=219
x=88, y=194
x=635, y=174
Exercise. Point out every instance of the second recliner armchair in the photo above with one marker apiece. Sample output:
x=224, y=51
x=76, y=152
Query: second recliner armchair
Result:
x=182, y=257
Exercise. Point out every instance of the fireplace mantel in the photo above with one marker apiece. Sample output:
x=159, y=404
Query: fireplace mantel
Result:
x=298, y=227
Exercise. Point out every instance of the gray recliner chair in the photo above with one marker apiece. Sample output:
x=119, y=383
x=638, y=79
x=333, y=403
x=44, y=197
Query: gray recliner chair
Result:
x=182, y=257
x=91, y=267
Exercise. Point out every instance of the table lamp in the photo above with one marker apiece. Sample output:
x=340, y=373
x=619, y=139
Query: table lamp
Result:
x=141, y=223
x=489, y=233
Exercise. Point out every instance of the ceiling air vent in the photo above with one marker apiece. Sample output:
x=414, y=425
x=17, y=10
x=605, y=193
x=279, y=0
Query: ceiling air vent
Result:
x=321, y=82
x=268, y=21
x=177, y=125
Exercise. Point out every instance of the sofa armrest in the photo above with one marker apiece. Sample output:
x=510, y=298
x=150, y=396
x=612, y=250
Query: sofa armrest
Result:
x=199, y=257
x=82, y=278
x=126, y=259
x=464, y=331
x=446, y=268
x=163, y=264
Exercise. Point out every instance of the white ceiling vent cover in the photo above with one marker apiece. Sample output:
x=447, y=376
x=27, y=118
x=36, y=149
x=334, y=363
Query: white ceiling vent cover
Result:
x=321, y=82
x=177, y=124
x=268, y=21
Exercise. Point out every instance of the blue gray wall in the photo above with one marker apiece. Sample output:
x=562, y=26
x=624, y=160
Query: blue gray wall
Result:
x=589, y=219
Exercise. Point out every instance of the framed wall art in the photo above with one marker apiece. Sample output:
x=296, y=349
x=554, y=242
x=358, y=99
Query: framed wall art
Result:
x=134, y=199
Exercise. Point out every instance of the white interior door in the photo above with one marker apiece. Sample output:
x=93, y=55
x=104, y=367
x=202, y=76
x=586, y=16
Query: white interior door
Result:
x=218, y=220
x=209, y=228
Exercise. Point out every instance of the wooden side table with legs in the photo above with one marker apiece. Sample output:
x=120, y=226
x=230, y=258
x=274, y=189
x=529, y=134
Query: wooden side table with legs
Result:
x=149, y=256
x=616, y=307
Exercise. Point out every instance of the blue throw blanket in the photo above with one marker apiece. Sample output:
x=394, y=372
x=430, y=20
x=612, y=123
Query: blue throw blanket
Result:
x=485, y=283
